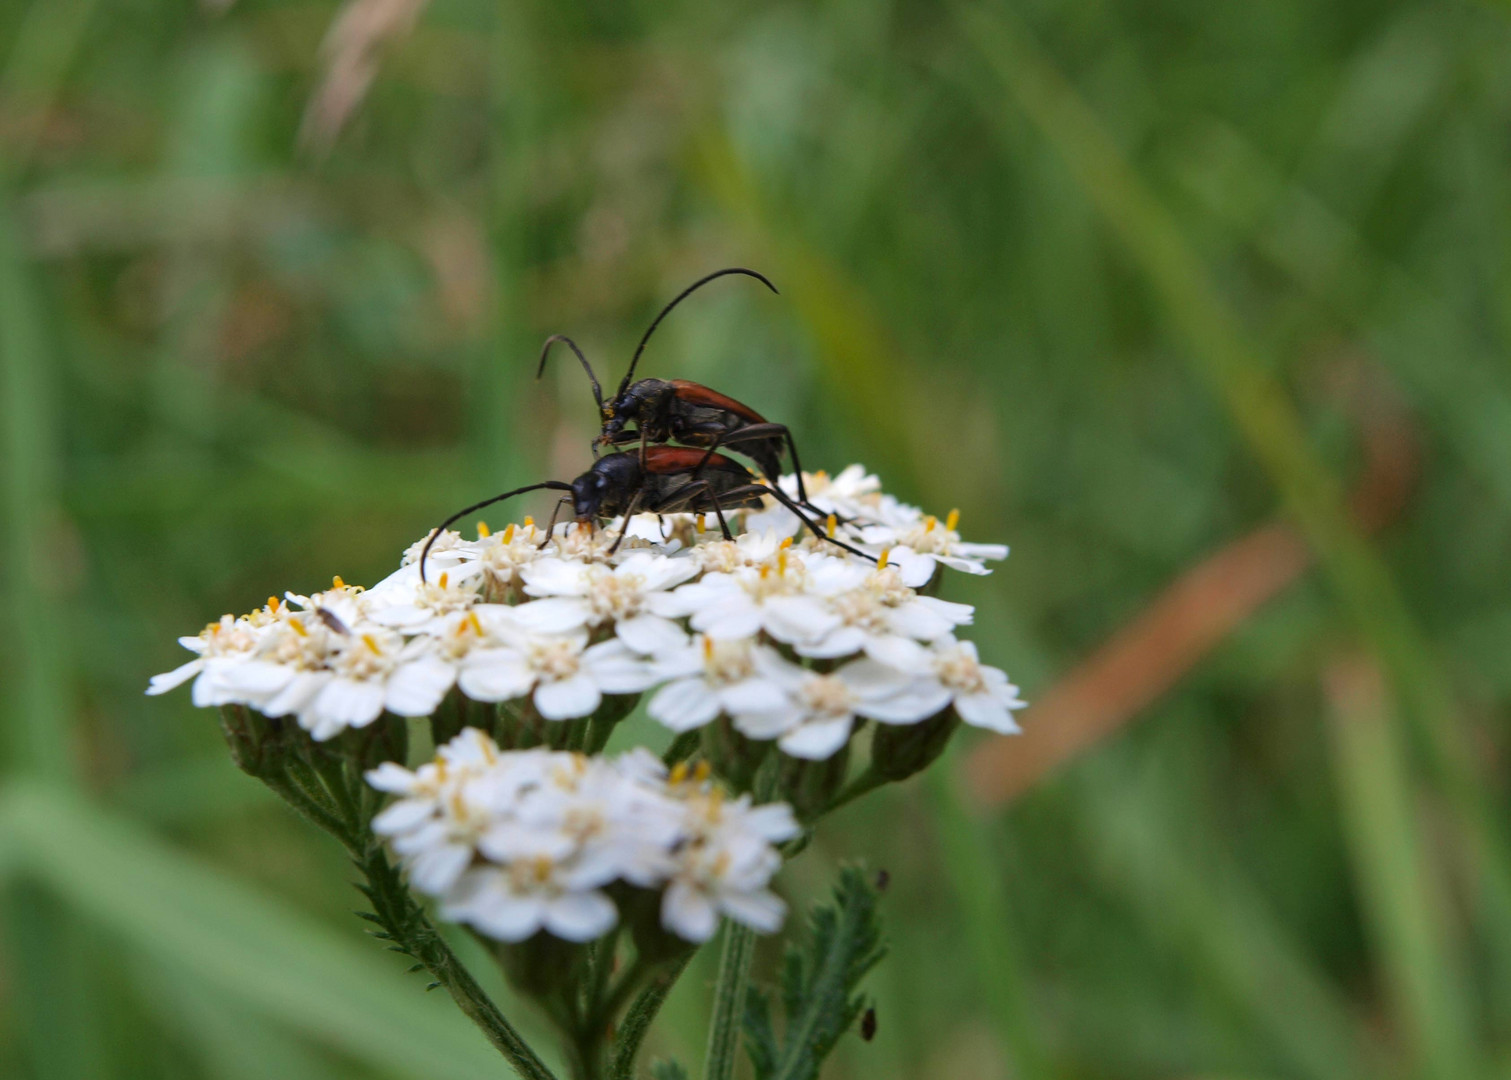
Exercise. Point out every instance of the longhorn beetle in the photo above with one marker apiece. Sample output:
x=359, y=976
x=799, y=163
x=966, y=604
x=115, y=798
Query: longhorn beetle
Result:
x=677, y=410
x=655, y=479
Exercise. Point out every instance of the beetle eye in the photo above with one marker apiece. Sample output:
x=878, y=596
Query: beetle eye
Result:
x=608, y=412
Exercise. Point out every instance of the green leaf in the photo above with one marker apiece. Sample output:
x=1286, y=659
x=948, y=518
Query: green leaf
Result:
x=337, y=990
x=819, y=982
x=236, y=1046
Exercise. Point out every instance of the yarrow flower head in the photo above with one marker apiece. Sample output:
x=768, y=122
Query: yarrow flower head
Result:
x=795, y=641
x=515, y=842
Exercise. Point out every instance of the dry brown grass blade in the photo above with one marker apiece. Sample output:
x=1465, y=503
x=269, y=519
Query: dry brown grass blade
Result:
x=1150, y=655
x=350, y=55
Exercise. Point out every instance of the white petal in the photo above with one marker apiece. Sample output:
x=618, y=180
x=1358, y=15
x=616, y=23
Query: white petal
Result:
x=659, y=572
x=390, y=776
x=914, y=569
x=346, y=703
x=297, y=695
x=684, y=704
x=651, y=635
x=617, y=670
x=816, y=740
x=401, y=615
x=985, y=711
x=553, y=615
x=869, y=679
x=417, y=687
x=402, y=815
x=433, y=872
x=161, y=684
x=969, y=566
x=794, y=619
x=251, y=680
x=900, y=653
x=919, y=621
x=983, y=551
x=774, y=821
x=916, y=701
x=580, y=916
x=554, y=577
x=763, y=911
x=734, y=616
x=767, y=724
x=959, y=614
x=506, y=917
x=567, y=699
x=689, y=913
x=751, y=696
x=842, y=641
x=495, y=675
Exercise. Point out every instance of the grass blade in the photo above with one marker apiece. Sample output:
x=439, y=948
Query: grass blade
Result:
x=1224, y=356
x=243, y=944
x=976, y=882
x=1396, y=882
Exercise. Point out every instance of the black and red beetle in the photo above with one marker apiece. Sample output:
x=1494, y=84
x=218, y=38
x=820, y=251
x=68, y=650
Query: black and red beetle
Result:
x=657, y=480
x=677, y=410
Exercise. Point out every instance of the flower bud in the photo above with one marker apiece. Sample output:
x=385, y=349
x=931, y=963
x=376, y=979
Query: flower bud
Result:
x=900, y=750
x=543, y=966
x=386, y=739
x=256, y=742
x=640, y=910
x=733, y=756
x=447, y=721
x=810, y=786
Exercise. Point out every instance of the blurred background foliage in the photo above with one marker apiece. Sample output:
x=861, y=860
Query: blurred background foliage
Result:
x=1203, y=308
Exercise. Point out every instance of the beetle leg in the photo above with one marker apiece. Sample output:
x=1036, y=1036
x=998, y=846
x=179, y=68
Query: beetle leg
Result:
x=551, y=525
x=703, y=487
x=719, y=513
x=760, y=433
x=629, y=512
x=813, y=527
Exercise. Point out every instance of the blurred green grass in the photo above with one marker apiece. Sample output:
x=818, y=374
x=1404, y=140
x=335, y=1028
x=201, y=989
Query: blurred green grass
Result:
x=1093, y=274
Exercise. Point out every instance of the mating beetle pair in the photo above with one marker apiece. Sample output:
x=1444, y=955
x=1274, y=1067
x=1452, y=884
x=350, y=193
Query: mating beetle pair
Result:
x=662, y=479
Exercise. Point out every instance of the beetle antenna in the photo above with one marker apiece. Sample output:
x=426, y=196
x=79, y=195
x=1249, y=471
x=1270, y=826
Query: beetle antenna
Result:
x=545, y=352
x=681, y=296
x=555, y=485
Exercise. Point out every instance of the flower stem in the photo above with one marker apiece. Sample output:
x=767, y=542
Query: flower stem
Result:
x=729, y=1001
x=641, y=1014
x=404, y=922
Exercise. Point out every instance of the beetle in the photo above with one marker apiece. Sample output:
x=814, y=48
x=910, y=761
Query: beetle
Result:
x=678, y=410
x=655, y=479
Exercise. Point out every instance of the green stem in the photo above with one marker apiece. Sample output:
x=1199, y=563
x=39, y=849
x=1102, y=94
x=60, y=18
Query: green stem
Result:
x=729, y=1001
x=309, y=808
x=405, y=923
x=395, y=909
x=641, y=1014
x=682, y=747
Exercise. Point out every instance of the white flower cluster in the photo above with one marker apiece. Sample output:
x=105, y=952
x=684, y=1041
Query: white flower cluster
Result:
x=514, y=842
x=793, y=638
